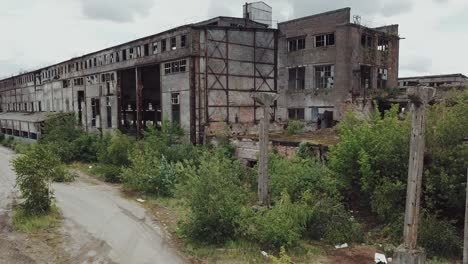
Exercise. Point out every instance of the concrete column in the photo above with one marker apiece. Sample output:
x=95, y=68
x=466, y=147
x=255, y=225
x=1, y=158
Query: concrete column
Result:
x=266, y=100
x=139, y=88
x=409, y=253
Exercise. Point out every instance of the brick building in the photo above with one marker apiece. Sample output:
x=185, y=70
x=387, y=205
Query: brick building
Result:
x=202, y=76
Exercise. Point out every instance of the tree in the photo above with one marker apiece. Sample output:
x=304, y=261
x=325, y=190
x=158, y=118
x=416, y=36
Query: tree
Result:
x=35, y=170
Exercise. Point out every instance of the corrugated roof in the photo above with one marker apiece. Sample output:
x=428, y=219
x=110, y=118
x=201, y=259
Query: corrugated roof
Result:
x=25, y=117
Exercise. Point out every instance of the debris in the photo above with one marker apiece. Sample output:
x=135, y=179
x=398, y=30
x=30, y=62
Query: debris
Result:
x=345, y=245
x=390, y=260
x=264, y=254
x=90, y=167
x=380, y=258
x=141, y=200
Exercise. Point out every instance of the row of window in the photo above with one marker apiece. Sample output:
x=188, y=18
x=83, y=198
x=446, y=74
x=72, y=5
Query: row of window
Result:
x=324, y=77
x=175, y=67
x=299, y=43
x=126, y=54
x=367, y=41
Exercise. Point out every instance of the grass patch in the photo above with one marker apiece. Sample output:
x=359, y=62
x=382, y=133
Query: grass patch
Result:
x=32, y=224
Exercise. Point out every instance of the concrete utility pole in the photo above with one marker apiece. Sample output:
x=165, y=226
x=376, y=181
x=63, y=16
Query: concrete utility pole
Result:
x=465, y=241
x=409, y=253
x=266, y=100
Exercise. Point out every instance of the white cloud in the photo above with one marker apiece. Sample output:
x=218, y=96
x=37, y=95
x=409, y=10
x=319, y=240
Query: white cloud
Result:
x=120, y=11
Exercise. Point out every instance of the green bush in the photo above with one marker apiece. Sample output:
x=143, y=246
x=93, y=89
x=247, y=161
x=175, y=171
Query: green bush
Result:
x=117, y=150
x=21, y=147
x=283, y=225
x=372, y=157
x=111, y=173
x=295, y=127
x=214, y=194
x=35, y=169
x=328, y=220
x=439, y=238
x=2, y=138
x=299, y=175
x=86, y=147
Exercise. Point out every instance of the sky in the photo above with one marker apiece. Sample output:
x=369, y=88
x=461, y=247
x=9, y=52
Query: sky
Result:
x=37, y=33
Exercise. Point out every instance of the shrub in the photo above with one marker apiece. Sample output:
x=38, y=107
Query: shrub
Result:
x=26, y=223
x=21, y=147
x=215, y=197
x=329, y=221
x=111, y=173
x=35, y=169
x=2, y=138
x=299, y=175
x=284, y=224
x=86, y=147
x=439, y=237
x=117, y=150
x=295, y=127
x=372, y=157
x=283, y=257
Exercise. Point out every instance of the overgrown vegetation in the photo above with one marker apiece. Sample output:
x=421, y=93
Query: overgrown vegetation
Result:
x=365, y=178
x=26, y=223
x=295, y=127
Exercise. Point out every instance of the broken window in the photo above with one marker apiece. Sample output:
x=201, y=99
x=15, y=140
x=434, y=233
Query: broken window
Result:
x=366, y=81
x=183, y=40
x=325, y=40
x=95, y=108
x=382, y=78
x=175, y=101
x=382, y=44
x=182, y=67
x=163, y=45
x=155, y=47
x=117, y=57
x=130, y=53
x=40, y=106
x=146, y=49
x=65, y=83
x=366, y=40
x=124, y=54
x=112, y=58
x=95, y=62
x=173, y=43
x=167, y=68
x=78, y=81
x=324, y=76
x=138, y=51
x=296, y=78
x=296, y=44
x=109, y=112
x=296, y=113
x=175, y=66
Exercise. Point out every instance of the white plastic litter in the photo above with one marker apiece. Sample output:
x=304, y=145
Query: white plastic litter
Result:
x=380, y=258
x=345, y=245
x=264, y=254
x=141, y=200
x=90, y=167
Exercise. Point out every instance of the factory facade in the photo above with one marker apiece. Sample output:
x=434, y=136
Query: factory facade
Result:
x=203, y=76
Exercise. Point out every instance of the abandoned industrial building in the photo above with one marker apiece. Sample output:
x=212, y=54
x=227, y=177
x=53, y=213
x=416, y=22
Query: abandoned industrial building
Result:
x=443, y=80
x=203, y=75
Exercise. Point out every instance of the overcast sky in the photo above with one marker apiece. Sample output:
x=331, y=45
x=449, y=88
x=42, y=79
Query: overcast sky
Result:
x=36, y=33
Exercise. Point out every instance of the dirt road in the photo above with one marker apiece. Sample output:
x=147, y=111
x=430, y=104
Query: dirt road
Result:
x=99, y=225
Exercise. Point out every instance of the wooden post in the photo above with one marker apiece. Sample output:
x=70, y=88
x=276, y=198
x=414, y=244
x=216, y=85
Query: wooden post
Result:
x=266, y=100
x=409, y=253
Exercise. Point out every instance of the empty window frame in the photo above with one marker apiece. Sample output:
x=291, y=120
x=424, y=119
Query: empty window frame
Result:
x=325, y=40
x=167, y=68
x=163, y=45
x=95, y=108
x=78, y=81
x=366, y=77
x=146, y=49
x=175, y=101
x=155, y=47
x=366, y=40
x=382, y=77
x=296, y=78
x=296, y=113
x=124, y=55
x=173, y=43
x=130, y=53
x=324, y=76
x=382, y=44
x=295, y=44
x=183, y=41
x=138, y=51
